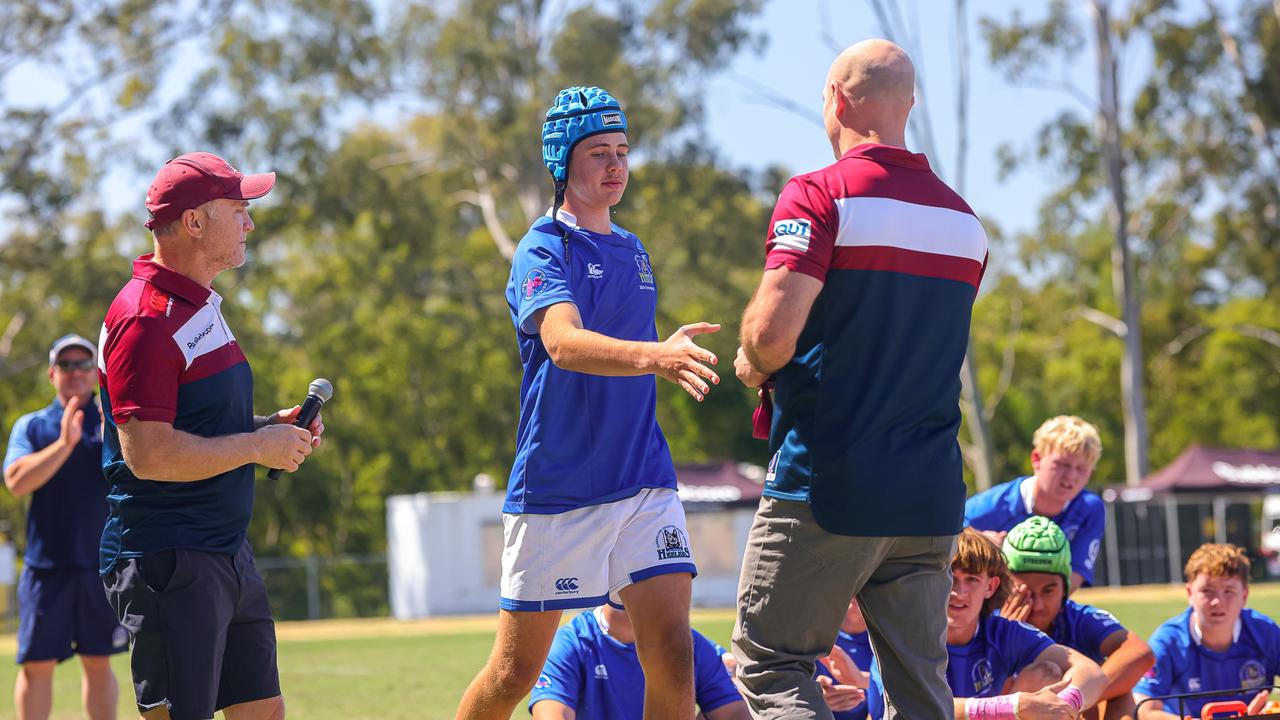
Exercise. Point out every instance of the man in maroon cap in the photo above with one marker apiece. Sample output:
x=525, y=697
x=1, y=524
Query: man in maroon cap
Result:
x=180, y=444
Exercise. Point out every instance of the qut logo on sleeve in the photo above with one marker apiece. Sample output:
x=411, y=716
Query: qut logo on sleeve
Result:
x=792, y=233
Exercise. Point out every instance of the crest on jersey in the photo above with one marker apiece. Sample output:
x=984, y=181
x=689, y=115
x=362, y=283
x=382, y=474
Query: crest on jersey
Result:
x=982, y=676
x=1252, y=674
x=645, y=272
x=535, y=283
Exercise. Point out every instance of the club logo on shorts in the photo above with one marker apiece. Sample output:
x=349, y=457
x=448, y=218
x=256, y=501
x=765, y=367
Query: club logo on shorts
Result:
x=1252, y=674
x=1193, y=684
x=535, y=283
x=646, y=272
x=983, y=678
x=567, y=586
x=672, y=543
x=119, y=638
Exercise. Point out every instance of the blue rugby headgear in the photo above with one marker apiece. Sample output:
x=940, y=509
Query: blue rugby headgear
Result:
x=579, y=112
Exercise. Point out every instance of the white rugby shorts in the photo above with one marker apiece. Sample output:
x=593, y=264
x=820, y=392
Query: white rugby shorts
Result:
x=583, y=557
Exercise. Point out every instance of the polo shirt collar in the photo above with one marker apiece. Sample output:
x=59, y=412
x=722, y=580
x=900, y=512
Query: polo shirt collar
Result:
x=1197, y=636
x=1027, y=490
x=145, y=268
x=565, y=217
x=888, y=155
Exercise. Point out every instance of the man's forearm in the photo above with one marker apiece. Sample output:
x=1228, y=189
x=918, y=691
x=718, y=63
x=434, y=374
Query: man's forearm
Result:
x=30, y=473
x=585, y=351
x=1153, y=710
x=177, y=456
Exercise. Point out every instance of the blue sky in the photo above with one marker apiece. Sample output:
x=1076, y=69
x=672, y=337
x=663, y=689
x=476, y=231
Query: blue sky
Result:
x=751, y=131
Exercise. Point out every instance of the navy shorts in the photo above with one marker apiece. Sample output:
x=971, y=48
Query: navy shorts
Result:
x=64, y=612
x=203, y=637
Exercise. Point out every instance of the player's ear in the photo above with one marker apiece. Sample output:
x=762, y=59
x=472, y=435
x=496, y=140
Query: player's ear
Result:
x=993, y=584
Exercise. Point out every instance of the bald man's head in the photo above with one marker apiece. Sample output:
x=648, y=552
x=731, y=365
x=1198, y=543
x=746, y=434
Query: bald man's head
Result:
x=869, y=92
x=874, y=70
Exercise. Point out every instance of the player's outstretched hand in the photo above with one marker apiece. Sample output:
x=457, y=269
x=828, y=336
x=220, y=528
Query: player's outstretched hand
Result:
x=282, y=446
x=1044, y=704
x=684, y=363
x=72, y=422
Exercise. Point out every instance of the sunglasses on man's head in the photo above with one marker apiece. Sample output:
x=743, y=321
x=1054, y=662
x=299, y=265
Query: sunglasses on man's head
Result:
x=69, y=365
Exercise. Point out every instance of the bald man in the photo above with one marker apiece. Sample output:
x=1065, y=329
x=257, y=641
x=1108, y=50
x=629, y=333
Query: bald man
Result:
x=859, y=326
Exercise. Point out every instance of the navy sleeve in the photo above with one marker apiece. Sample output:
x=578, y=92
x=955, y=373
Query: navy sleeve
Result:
x=539, y=278
x=712, y=686
x=20, y=444
x=1088, y=539
x=561, y=678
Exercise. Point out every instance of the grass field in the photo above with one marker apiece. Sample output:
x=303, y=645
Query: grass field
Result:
x=365, y=669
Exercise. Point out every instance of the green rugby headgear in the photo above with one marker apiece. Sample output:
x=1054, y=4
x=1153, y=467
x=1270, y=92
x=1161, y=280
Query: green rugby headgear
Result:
x=1037, y=544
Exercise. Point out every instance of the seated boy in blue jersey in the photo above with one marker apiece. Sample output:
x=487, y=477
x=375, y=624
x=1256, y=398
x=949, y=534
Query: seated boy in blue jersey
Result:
x=55, y=457
x=1215, y=644
x=843, y=674
x=1065, y=450
x=1039, y=557
x=591, y=513
x=593, y=673
x=1000, y=669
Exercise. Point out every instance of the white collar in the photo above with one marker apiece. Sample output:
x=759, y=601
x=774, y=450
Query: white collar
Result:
x=1027, y=490
x=564, y=216
x=1197, y=636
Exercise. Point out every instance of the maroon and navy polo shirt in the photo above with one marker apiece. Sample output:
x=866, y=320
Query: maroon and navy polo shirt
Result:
x=167, y=355
x=868, y=407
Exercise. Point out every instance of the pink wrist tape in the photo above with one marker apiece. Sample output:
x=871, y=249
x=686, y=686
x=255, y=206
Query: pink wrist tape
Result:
x=1001, y=707
x=1073, y=697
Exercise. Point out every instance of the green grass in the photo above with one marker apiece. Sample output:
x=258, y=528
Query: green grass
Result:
x=409, y=673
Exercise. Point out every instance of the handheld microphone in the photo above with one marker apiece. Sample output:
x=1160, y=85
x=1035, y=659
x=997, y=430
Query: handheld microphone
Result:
x=318, y=393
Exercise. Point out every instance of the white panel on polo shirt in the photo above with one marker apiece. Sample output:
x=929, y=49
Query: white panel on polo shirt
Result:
x=205, y=332
x=886, y=222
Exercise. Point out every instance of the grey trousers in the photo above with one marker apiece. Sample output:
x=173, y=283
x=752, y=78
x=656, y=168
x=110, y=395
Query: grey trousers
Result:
x=796, y=583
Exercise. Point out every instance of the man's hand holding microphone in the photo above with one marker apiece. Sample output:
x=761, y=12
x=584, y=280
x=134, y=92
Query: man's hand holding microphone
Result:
x=289, y=436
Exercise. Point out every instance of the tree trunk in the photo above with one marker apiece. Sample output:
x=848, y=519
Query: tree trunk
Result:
x=1132, y=371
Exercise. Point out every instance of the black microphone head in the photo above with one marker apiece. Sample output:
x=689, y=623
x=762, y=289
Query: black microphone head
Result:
x=321, y=388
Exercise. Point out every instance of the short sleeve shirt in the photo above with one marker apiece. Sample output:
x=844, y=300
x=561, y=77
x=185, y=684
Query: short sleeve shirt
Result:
x=583, y=439
x=999, y=650
x=867, y=409
x=167, y=355
x=601, y=678
x=1084, y=628
x=1183, y=665
x=1083, y=520
x=64, y=522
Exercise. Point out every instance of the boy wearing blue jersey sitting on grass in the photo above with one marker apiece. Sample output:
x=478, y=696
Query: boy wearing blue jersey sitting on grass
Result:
x=1000, y=669
x=1064, y=451
x=1039, y=557
x=594, y=673
x=1215, y=644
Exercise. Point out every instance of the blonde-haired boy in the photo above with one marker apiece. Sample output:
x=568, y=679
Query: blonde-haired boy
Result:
x=1065, y=449
x=1215, y=644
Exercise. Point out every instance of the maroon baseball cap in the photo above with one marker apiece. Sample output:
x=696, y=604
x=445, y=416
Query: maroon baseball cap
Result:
x=191, y=180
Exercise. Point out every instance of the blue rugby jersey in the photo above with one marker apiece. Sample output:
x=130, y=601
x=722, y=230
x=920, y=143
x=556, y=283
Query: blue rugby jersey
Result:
x=867, y=409
x=167, y=355
x=64, y=522
x=999, y=650
x=601, y=678
x=1084, y=628
x=858, y=645
x=1083, y=520
x=583, y=439
x=1183, y=665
